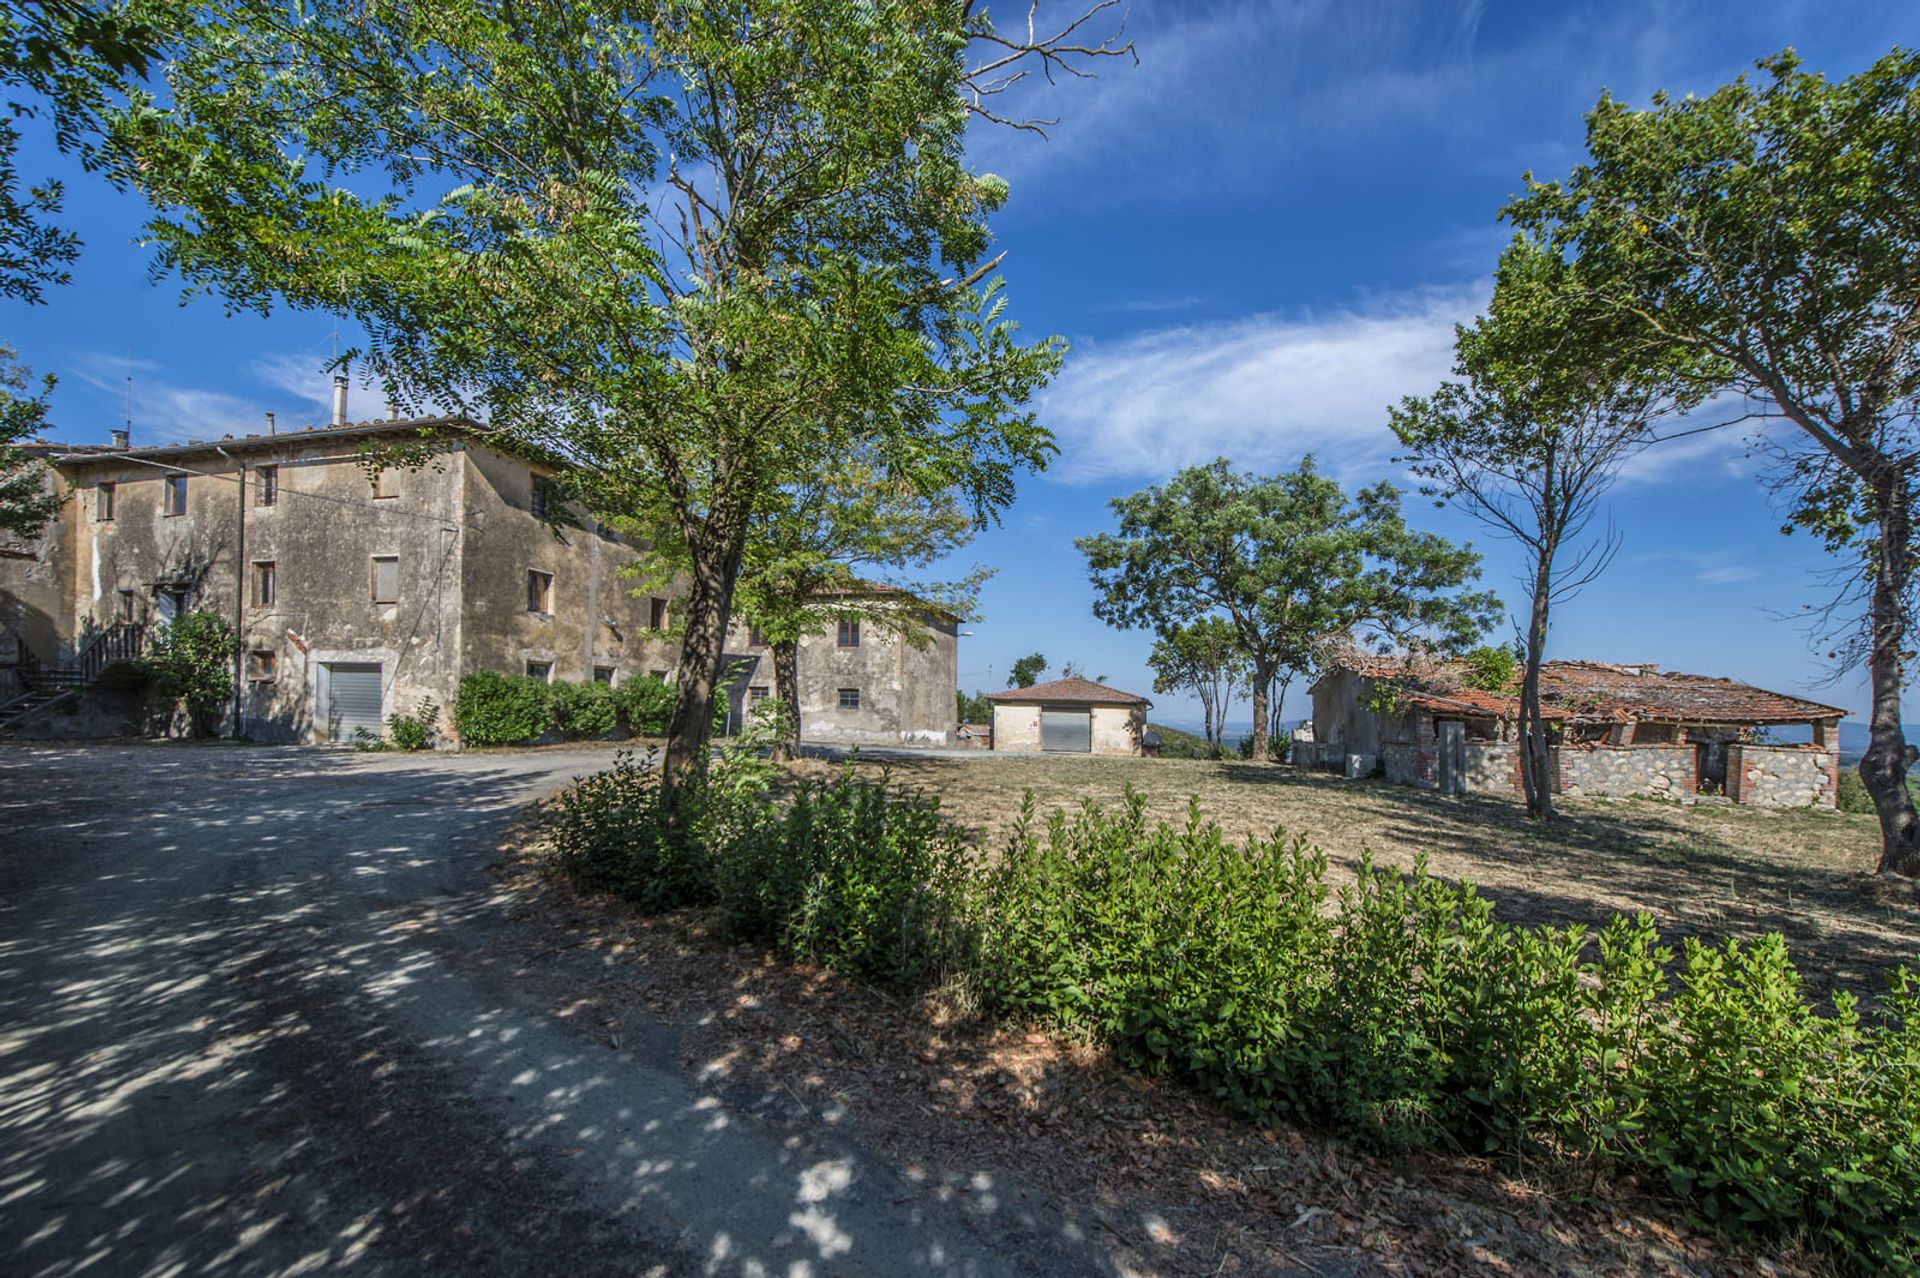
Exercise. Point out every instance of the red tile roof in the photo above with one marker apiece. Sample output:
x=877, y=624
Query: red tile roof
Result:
x=1071, y=692
x=1605, y=692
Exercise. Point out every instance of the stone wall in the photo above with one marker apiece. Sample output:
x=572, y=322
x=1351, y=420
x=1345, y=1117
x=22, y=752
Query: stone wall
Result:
x=1655, y=771
x=1493, y=767
x=1762, y=776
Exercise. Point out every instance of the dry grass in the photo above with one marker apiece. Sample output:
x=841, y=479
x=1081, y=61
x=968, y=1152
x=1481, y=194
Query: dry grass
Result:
x=1702, y=870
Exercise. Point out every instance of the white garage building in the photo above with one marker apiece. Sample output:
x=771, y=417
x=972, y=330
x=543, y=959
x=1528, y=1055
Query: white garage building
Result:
x=1069, y=716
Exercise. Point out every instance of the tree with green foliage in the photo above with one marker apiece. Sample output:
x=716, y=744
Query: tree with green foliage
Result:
x=812, y=552
x=191, y=659
x=29, y=496
x=973, y=709
x=1289, y=561
x=1770, y=232
x=1203, y=657
x=1027, y=671
x=67, y=60
x=701, y=248
x=1547, y=409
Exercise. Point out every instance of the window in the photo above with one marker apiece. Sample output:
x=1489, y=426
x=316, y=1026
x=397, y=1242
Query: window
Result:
x=539, y=591
x=266, y=490
x=756, y=695
x=385, y=483
x=541, y=670
x=386, y=579
x=263, y=583
x=603, y=674
x=755, y=639
x=657, y=613
x=849, y=634
x=849, y=698
x=176, y=494
x=542, y=497
x=103, y=501
x=129, y=607
x=262, y=665
x=661, y=675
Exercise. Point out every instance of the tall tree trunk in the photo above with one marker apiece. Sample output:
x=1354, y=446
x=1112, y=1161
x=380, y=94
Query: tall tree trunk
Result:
x=1883, y=769
x=786, y=692
x=1262, y=681
x=706, y=612
x=1536, y=764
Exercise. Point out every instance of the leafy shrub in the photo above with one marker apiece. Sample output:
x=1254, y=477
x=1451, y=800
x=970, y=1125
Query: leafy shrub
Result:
x=1175, y=744
x=415, y=731
x=190, y=659
x=1852, y=795
x=1409, y=1016
x=850, y=875
x=645, y=706
x=584, y=711
x=1491, y=669
x=499, y=709
x=610, y=833
x=370, y=743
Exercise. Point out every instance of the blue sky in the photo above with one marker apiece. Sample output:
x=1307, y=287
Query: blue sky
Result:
x=1255, y=241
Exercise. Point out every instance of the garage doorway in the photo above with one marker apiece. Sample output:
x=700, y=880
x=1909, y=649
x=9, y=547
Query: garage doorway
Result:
x=1067, y=731
x=349, y=696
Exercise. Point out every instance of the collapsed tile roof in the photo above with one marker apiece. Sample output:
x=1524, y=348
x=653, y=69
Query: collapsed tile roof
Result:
x=1600, y=691
x=1069, y=692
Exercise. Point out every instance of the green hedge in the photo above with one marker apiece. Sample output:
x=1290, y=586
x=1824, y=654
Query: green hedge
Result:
x=1409, y=1016
x=646, y=706
x=493, y=709
x=584, y=711
x=1398, y=1010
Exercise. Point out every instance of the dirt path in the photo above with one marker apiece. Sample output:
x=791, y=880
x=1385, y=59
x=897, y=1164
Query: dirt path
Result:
x=250, y=1024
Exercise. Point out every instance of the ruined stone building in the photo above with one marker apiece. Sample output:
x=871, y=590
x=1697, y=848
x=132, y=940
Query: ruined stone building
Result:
x=1616, y=730
x=360, y=591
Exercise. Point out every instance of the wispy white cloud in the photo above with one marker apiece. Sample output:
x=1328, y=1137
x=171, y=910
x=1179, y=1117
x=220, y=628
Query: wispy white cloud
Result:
x=1260, y=391
x=296, y=386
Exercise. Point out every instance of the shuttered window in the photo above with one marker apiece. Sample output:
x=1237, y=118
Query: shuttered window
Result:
x=386, y=579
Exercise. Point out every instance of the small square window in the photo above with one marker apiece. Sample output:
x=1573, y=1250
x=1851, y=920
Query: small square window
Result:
x=541, y=670
x=657, y=618
x=386, y=579
x=543, y=496
x=756, y=695
x=661, y=675
x=603, y=674
x=176, y=495
x=266, y=491
x=262, y=665
x=103, y=501
x=849, y=634
x=849, y=698
x=755, y=639
x=386, y=483
x=264, y=583
x=539, y=591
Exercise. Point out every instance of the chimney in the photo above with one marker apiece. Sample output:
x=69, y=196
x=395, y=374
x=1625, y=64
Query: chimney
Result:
x=271, y=428
x=339, y=399
x=393, y=411
x=122, y=440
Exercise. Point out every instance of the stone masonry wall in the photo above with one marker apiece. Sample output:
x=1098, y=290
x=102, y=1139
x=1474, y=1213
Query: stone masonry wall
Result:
x=1661, y=772
x=1493, y=767
x=1761, y=776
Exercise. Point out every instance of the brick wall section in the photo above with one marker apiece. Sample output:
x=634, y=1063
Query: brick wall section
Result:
x=1661, y=772
x=1761, y=776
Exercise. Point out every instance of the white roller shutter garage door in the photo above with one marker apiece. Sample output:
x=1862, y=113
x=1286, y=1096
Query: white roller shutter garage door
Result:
x=1068, y=731
x=353, y=700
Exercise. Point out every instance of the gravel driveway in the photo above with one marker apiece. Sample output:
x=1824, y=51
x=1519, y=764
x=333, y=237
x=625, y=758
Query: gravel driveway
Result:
x=228, y=1045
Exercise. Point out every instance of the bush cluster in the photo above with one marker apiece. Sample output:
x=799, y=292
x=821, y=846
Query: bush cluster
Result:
x=1407, y=1015
x=847, y=873
x=1398, y=1010
x=494, y=709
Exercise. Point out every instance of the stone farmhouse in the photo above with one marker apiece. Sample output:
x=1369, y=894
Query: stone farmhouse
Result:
x=1617, y=730
x=1069, y=716
x=359, y=591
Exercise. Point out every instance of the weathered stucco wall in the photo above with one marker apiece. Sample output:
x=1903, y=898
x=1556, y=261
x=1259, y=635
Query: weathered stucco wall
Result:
x=1341, y=720
x=36, y=618
x=1657, y=771
x=1762, y=776
x=1118, y=729
x=905, y=688
x=1016, y=728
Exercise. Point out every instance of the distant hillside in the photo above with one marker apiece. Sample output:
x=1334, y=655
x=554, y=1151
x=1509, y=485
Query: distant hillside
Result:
x=1853, y=737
